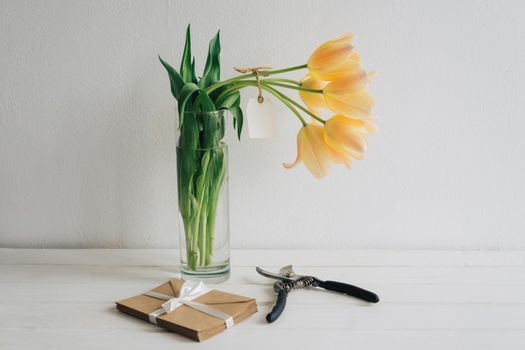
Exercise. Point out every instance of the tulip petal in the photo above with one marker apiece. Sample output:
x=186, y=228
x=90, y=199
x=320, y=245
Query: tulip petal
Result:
x=351, y=66
x=369, y=126
x=364, y=125
x=313, y=101
x=347, y=84
x=329, y=55
x=313, y=151
x=355, y=105
x=356, y=56
x=340, y=157
x=354, y=146
x=298, y=157
x=332, y=51
x=346, y=136
x=315, y=155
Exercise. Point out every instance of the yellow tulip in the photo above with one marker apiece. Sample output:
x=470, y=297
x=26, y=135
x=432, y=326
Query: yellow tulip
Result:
x=351, y=66
x=330, y=56
x=347, y=136
x=313, y=151
x=347, y=83
x=340, y=157
x=366, y=125
x=314, y=101
x=347, y=96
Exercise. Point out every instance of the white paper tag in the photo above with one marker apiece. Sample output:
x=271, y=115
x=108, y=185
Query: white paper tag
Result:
x=262, y=119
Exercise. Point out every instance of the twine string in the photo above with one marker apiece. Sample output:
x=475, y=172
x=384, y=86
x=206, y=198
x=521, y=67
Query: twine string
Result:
x=256, y=71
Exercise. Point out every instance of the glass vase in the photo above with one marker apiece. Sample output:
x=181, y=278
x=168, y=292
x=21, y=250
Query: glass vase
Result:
x=202, y=176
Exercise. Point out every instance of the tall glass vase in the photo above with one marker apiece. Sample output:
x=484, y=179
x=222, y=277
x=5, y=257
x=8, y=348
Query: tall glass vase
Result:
x=202, y=176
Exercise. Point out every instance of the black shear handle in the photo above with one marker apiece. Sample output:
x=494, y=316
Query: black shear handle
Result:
x=349, y=289
x=279, y=306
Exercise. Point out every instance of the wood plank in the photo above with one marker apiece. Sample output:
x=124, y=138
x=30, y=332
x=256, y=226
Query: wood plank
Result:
x=514, y=276
x=273, y=337
x=254, y=257
x=332, y=316
x=411, y=285
x=23, y=292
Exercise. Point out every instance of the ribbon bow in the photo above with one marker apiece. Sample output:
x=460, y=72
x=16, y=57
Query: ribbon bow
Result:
x=186, y=295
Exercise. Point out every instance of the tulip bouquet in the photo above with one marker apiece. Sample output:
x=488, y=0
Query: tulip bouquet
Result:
x=335, y=84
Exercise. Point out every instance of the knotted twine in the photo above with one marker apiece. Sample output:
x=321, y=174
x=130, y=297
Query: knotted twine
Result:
x=254, y=70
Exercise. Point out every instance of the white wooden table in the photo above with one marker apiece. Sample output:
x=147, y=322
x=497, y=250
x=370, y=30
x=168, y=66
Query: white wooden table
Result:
x=63, y=299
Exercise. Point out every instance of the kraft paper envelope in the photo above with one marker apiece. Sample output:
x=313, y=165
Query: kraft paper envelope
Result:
x=186, y=320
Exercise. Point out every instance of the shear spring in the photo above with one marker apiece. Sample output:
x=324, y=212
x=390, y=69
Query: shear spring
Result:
x=300, y=284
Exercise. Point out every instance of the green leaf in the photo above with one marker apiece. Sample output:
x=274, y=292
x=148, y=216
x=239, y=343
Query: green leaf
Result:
x=186, y=171
x=229, y=100
x=193, y=76
x=189, y=135
x=212, y=123
x=214, y=95
x=206, y=103
x=211, y=133
x=221, y=131
x=233, y=102
x=212, y=69
x=185, y=95
x=186, y=69
x=204, y=170
x=176, y=82
x=186, y=167
x=238, y=119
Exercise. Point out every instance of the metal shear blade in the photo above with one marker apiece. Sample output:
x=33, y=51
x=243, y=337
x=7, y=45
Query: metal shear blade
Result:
x=284, y=274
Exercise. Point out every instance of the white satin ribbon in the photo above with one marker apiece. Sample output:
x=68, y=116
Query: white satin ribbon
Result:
x=186, y=295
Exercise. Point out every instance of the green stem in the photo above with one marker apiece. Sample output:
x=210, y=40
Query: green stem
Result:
x=212, y=213
x=235, y=87
x=298, y=105
x=195, y=240
x=217, y=85
x=276, y=82
x=199, y=229
x=187, y=234
x=192, y=261
x=283, y=98
x=279, y=80
x=279, y=71
x=213, y=201
x=316, y=91
x=286, y=103
x=203, y=221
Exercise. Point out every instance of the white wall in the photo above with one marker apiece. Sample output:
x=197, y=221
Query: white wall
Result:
x=87, y=139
